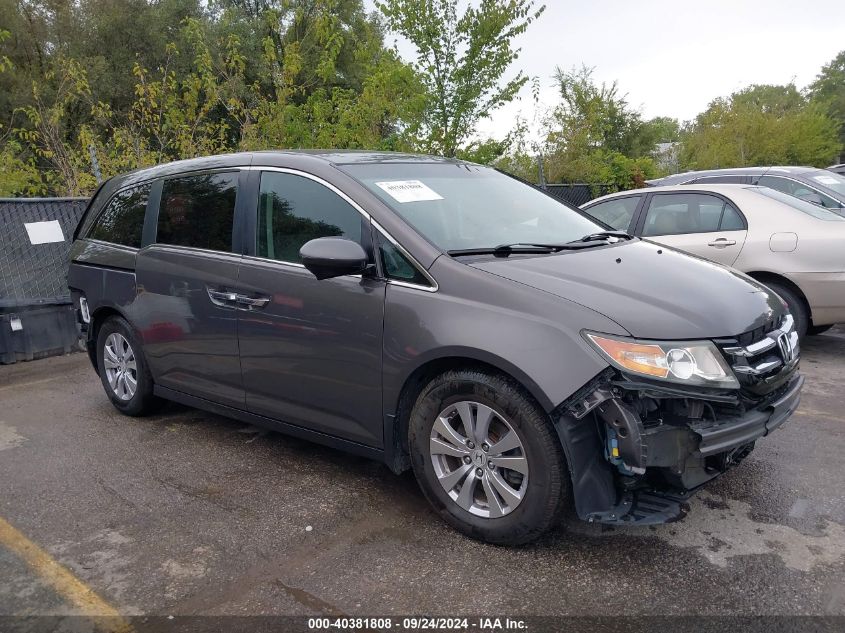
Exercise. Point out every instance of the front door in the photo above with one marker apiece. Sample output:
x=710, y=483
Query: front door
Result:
x=699, y=223
x=185, y=279
x=310, y=350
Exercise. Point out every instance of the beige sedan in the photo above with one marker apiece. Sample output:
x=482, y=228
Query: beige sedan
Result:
x=792, y=246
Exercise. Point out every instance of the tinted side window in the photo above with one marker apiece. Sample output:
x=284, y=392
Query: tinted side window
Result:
x=675, y=214
x=396, y=265
x=616, y=213
x=198, y=211
x=122, y=221
x=293, y=210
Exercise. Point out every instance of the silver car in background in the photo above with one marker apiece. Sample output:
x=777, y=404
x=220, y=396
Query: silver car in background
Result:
x=794, y=247
x=823, y=187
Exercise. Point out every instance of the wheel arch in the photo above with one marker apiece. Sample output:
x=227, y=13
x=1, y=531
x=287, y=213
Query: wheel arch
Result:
x=98, y=317
x=398, y=413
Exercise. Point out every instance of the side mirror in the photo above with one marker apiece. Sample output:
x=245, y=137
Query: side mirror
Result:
x=328, y=257
x=812, y=197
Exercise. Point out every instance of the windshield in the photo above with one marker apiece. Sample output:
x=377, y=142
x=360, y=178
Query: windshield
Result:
x=801, y=205
x=828, y=179
x=458, y=206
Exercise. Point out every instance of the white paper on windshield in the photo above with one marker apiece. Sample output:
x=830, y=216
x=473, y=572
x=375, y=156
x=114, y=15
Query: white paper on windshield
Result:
x=409, y=191
x=44, y=232
x=826, y=180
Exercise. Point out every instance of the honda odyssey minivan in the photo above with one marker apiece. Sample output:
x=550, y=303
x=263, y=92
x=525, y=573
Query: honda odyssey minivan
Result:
x=439, y=316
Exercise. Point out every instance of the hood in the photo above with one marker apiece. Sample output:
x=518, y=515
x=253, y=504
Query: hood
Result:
x=652, y=291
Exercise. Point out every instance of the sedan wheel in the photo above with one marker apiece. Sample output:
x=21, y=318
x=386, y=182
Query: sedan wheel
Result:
x=121, y=367
x=479, y=459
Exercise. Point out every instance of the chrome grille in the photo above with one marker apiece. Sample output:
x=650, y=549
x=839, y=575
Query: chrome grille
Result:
x=763, y=365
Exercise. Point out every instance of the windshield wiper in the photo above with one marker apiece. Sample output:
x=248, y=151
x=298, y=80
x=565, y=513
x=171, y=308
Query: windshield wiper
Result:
x=603, y=235
x=503, y=250
x=519, y=248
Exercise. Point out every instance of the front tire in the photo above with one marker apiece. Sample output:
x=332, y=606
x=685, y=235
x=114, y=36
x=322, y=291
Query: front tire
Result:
x=123, y=369
x=487, y=458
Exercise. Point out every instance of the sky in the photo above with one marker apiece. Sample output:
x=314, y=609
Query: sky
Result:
x=672, y=58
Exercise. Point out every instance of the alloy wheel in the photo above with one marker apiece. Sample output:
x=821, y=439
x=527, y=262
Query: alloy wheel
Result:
x=479, y=459
x=121, y=366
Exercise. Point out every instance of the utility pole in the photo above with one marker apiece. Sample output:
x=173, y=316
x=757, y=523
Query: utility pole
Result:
x=541, y=173
x=95, y=164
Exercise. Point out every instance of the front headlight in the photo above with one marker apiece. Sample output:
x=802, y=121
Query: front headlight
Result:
x=687, y=362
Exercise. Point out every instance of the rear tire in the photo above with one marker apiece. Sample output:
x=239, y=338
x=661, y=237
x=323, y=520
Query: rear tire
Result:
x=815, y=330
x=123, y=369
x=519, y=483
x=796, y=307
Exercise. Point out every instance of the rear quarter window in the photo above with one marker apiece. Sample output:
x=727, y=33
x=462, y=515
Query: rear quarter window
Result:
x=122, y=220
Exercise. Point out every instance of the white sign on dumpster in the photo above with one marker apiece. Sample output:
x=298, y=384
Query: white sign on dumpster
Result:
x=44, y=232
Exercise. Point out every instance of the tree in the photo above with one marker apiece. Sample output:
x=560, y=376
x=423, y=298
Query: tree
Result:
x=462, y=61
x=238, y=76
x=594, y=136
x=761, y=125
x=828, y=90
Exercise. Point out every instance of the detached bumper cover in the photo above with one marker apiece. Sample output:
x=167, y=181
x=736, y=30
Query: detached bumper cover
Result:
x=628, y=470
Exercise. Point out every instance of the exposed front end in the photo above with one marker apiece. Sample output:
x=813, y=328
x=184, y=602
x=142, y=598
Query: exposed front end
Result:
x=639, y=444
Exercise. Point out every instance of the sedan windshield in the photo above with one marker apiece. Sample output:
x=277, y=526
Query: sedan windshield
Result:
x=828, y=179
x=801, y=205
x=460, y=207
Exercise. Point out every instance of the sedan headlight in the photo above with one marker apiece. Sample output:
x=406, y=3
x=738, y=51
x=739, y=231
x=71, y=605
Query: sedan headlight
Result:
x=687, y=362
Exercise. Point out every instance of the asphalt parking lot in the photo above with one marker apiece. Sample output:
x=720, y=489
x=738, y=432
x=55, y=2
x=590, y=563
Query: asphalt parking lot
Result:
x=189, y=513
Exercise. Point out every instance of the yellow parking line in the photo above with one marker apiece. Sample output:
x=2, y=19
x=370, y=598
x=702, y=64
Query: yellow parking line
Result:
x=63, y=581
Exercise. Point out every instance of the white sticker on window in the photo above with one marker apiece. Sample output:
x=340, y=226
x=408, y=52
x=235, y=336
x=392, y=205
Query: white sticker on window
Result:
x=826, y=180
x=409, y=191
x=44, y=232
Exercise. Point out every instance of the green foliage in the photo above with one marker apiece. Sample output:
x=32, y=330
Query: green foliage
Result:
x=138, y=82
x=593, y=116
x=462, y=60
x=18, y=176
x=594, y=136
x=761, y=125
x=828, y=90
x=238, y=76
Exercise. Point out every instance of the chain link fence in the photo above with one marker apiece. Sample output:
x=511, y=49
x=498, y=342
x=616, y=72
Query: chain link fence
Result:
x=33, y=273
x=37, y=318
x=577, y=194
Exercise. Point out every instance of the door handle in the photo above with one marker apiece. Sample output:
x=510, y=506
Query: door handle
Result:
x=222, y=298
x=251, y=303
x=722, y=243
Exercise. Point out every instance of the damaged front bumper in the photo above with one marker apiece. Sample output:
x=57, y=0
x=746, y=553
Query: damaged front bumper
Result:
x=637, y=450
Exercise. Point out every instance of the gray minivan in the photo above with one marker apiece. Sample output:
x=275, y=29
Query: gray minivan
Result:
x=436, y=315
